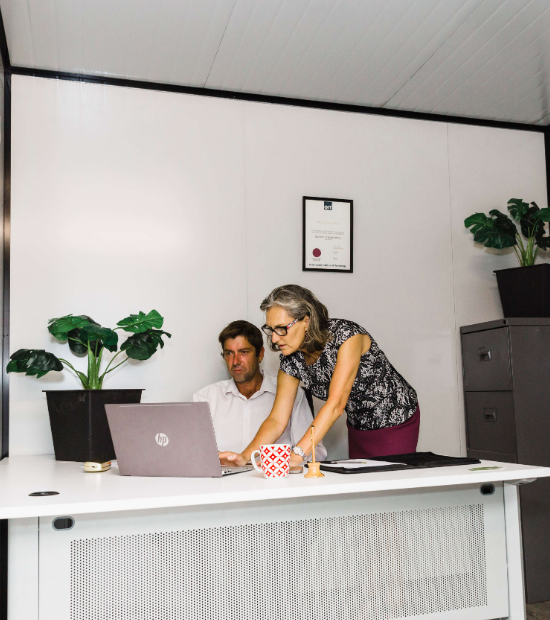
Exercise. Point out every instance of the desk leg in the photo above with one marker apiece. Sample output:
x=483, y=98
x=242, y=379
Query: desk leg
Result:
x=514, y=553
x=23, y=569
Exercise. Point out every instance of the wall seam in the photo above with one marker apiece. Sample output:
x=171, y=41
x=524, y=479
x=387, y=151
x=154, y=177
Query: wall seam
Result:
x=456, y=339
x=247, y=263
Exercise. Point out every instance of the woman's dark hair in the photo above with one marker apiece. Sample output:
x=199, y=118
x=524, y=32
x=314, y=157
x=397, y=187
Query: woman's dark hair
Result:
x=299, y=302
x=246, y=329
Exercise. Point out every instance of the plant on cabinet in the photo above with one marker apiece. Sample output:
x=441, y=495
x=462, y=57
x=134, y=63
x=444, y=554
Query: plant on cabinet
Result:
x=525, y=290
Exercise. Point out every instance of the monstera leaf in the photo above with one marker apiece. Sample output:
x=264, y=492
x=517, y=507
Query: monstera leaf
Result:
x=70, y=328
x=87, y=337
x=101, y=336
x=541, y=216
x=139, y=323
x=34, y=362
x=143, y=345
x=518, y=209
x=76, y=343
x=525, y=214
x=497, y=231
x=60, y=328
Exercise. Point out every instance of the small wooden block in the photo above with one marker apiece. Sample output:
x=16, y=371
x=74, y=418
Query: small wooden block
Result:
x=314, y=471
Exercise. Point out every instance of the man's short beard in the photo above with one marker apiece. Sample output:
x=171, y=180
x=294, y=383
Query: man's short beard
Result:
x=246, y=378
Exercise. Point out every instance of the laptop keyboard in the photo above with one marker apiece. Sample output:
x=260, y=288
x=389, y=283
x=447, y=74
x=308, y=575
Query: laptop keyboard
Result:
x=228, y=470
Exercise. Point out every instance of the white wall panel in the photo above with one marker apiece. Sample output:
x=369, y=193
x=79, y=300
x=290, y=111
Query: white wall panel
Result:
x=487, y=167
x=115, y=192
x=401, y=289
x=125, y=199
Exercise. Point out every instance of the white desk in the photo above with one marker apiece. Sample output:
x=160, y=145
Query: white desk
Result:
x=425, y=544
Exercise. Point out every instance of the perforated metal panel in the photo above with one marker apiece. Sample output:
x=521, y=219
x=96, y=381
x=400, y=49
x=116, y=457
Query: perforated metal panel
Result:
x=374, y=566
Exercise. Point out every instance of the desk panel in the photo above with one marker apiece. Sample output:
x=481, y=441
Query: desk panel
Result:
x=429, y=554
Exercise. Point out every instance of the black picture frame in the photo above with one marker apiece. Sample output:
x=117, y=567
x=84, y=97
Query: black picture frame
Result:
x=304, y=232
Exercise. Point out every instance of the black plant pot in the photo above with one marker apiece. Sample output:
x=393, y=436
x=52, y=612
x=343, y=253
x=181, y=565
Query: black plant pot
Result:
x=79, y=424
x=525, y=291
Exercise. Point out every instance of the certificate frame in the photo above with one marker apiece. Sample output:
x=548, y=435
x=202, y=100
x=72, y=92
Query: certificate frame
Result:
x=312, y=203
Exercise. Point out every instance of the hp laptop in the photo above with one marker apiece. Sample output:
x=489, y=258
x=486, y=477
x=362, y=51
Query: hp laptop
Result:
x=166, y=439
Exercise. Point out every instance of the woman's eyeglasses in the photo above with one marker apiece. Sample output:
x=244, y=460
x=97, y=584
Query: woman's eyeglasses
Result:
x=280, y=330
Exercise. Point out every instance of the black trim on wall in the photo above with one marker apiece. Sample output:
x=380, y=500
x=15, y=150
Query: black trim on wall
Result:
x=4, y=569
x=4, y=447
x=4, y=52
x=4, y=439
x=547, y=157
x=303, y=103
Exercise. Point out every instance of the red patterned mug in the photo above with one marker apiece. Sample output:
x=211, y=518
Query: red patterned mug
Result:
x=274, y=459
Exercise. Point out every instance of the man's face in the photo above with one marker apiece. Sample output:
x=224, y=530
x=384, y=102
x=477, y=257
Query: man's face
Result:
x=241, y=359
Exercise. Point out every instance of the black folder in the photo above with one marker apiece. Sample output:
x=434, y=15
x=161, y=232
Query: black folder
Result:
x=414, y=460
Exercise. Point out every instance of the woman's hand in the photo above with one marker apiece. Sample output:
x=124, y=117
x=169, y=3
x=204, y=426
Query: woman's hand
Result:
x=232, y=459
x=296, y=460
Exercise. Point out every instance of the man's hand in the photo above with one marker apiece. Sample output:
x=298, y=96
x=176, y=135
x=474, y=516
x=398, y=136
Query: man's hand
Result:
x=232, y=459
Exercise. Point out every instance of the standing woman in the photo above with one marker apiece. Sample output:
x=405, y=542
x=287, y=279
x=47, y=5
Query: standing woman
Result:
x=341, y=364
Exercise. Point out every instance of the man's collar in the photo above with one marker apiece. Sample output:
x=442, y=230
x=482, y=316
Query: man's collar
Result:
x=268, y=385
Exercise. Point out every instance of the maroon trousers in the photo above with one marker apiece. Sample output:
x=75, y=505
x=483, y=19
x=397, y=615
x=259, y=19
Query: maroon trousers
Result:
x=400, y=439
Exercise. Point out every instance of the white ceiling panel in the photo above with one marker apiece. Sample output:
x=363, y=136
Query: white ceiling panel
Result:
x=170, y=41
x=348, y=51
x=485, y=59
x=494, y=67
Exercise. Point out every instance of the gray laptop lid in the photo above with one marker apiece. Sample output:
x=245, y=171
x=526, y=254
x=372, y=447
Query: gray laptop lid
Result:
x=165, y=439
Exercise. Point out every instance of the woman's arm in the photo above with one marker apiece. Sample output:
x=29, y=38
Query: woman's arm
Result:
x=343, y=377
x=274, y=425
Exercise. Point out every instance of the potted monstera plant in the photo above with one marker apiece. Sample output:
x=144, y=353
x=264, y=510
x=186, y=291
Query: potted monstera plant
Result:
x=524, y=290
x=78, y=420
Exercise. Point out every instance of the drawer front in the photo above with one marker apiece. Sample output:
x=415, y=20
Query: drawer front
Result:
x=492, y=456
x=490, y=422
x=486, y=361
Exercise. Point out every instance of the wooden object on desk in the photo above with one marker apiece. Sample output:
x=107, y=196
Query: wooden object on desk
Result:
x=313, y=469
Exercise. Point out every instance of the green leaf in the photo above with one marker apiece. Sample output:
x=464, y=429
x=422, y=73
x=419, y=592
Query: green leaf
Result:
x=104, y=337
x=517, y=208
x=78, y=348
x=156, y=336
x=139, y=323
x=503, y=223
x=35, y=362
x=143, y=345
x=497, y=231
x=542, y=215
x=60, y=328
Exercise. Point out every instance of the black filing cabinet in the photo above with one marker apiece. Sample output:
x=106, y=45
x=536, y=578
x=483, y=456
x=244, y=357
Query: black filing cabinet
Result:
x=506, y=370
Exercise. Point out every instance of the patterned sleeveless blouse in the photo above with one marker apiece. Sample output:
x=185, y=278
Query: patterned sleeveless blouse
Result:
x=380, y=396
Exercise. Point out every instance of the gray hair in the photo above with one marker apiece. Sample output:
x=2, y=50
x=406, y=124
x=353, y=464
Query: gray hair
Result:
x=299, y=302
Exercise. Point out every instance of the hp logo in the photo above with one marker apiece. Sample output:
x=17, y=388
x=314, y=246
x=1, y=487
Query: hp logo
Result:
x=161, y=439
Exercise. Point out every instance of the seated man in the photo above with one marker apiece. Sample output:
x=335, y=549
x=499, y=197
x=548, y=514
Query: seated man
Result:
x=239, y=405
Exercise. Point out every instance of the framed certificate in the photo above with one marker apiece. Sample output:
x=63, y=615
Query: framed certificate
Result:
x=327, y=243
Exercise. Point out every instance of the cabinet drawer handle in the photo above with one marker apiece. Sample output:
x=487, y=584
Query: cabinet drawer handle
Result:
x=484, y=354
x=490, y=415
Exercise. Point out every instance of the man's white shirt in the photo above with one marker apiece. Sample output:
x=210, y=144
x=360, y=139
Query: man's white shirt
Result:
x=237, y=419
